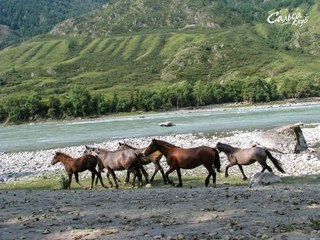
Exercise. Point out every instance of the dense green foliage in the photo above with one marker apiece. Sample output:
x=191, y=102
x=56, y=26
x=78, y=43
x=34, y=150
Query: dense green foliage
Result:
x=80, y=103
x=134, y=55
x=27, y=18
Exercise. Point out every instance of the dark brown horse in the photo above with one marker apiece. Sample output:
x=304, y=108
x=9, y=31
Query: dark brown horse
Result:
x=186, y=158
x=76, y=165
x=118, y=160
x=247, y=156
x=154, y=158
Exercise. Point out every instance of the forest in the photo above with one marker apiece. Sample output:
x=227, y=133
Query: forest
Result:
x=28, y=18
x=81, y=103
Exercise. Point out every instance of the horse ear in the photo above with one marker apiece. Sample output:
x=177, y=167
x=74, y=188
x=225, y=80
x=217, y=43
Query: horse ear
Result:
x=87, y=147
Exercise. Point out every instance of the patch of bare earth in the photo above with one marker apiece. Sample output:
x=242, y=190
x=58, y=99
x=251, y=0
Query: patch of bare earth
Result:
x=227, y=212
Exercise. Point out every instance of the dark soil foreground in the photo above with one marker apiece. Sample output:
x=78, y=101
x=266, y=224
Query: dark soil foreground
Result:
x=280, y=211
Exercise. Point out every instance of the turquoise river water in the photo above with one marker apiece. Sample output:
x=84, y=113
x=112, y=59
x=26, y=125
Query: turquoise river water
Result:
x=47, y=135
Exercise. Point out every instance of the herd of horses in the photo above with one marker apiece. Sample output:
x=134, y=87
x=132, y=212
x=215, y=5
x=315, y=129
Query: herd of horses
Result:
x=133, y=159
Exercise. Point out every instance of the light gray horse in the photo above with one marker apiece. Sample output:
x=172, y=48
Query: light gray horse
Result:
x=247, y=156
x=118, y=160
x=152, y=158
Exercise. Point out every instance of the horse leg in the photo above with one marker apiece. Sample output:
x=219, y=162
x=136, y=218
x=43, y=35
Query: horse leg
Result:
x=163, y=175
x=170, y=170
x=226, y=172
x=139, y=168
x=114, y=178
x=98, y=177
x=179, y=177
x=211, y=173
x=77, y=178
x=241, y=169
x=214, y=178
x=145, y=174
x=70, y=179
x=127, y=178
x=157, y=168
x=108, y=177
x=227, y=168
x=265, y=166
x=137, y=173
x=92, y=179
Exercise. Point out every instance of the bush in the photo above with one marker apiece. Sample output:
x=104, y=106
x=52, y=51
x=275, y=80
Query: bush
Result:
x=63, y=182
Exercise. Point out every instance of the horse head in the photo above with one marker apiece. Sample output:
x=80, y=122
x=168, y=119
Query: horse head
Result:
x=88, y=150
x=151, y=148
x=218, y=146
x=56, y=158
x=122, y=146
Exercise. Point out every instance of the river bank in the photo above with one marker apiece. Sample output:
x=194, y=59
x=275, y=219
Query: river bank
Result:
x=214, y=120
x=16, y=166
x=278, y=212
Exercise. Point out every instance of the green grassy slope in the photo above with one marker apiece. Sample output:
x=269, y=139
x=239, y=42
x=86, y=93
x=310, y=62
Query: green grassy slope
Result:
x=144, y=57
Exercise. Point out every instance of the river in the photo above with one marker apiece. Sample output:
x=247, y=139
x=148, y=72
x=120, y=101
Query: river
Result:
x=36, y=136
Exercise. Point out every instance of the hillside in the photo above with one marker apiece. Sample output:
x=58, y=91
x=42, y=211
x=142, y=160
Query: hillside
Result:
x=129, y=47
x=22, y=19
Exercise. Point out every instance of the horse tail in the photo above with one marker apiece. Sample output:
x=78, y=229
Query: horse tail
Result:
x=100, y=165
x=217, y=163
x=275, y=162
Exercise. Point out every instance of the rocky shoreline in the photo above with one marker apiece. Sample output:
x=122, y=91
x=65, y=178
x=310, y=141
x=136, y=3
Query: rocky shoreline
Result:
x=17, y=166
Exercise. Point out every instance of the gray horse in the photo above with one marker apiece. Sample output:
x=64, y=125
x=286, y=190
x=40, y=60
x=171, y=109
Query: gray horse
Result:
x=118, y=160
x=247, y=156
x=152, y=158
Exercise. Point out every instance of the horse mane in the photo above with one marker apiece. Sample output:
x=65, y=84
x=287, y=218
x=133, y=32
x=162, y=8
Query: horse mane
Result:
x=127, y=145
x=63, y=154
x=227, y=148
x=166, y=143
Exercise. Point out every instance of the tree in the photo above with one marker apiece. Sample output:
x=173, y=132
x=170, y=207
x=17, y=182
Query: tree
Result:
x=289, y=88
x=79, y=98
x=34, y=104
x=273, y=90
x=98, y=104
x=54, y=107
x=255, y=90
x=199, y=91
x=233, y=91
x=180, y=91
x=164, y=98
x=216, y=92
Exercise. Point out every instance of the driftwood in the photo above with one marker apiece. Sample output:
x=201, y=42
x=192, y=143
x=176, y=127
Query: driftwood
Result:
x=286, y=139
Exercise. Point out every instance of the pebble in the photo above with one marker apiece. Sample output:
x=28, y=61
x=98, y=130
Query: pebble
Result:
x=21, y=165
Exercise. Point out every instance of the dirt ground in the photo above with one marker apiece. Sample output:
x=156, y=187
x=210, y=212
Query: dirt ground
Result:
x=279, y=211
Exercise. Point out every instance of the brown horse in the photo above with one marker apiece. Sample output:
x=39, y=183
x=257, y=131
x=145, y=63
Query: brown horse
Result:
x=186, y=158
x=76, y=165
x=152, y=158
x=247, y=156
x=118, y=160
